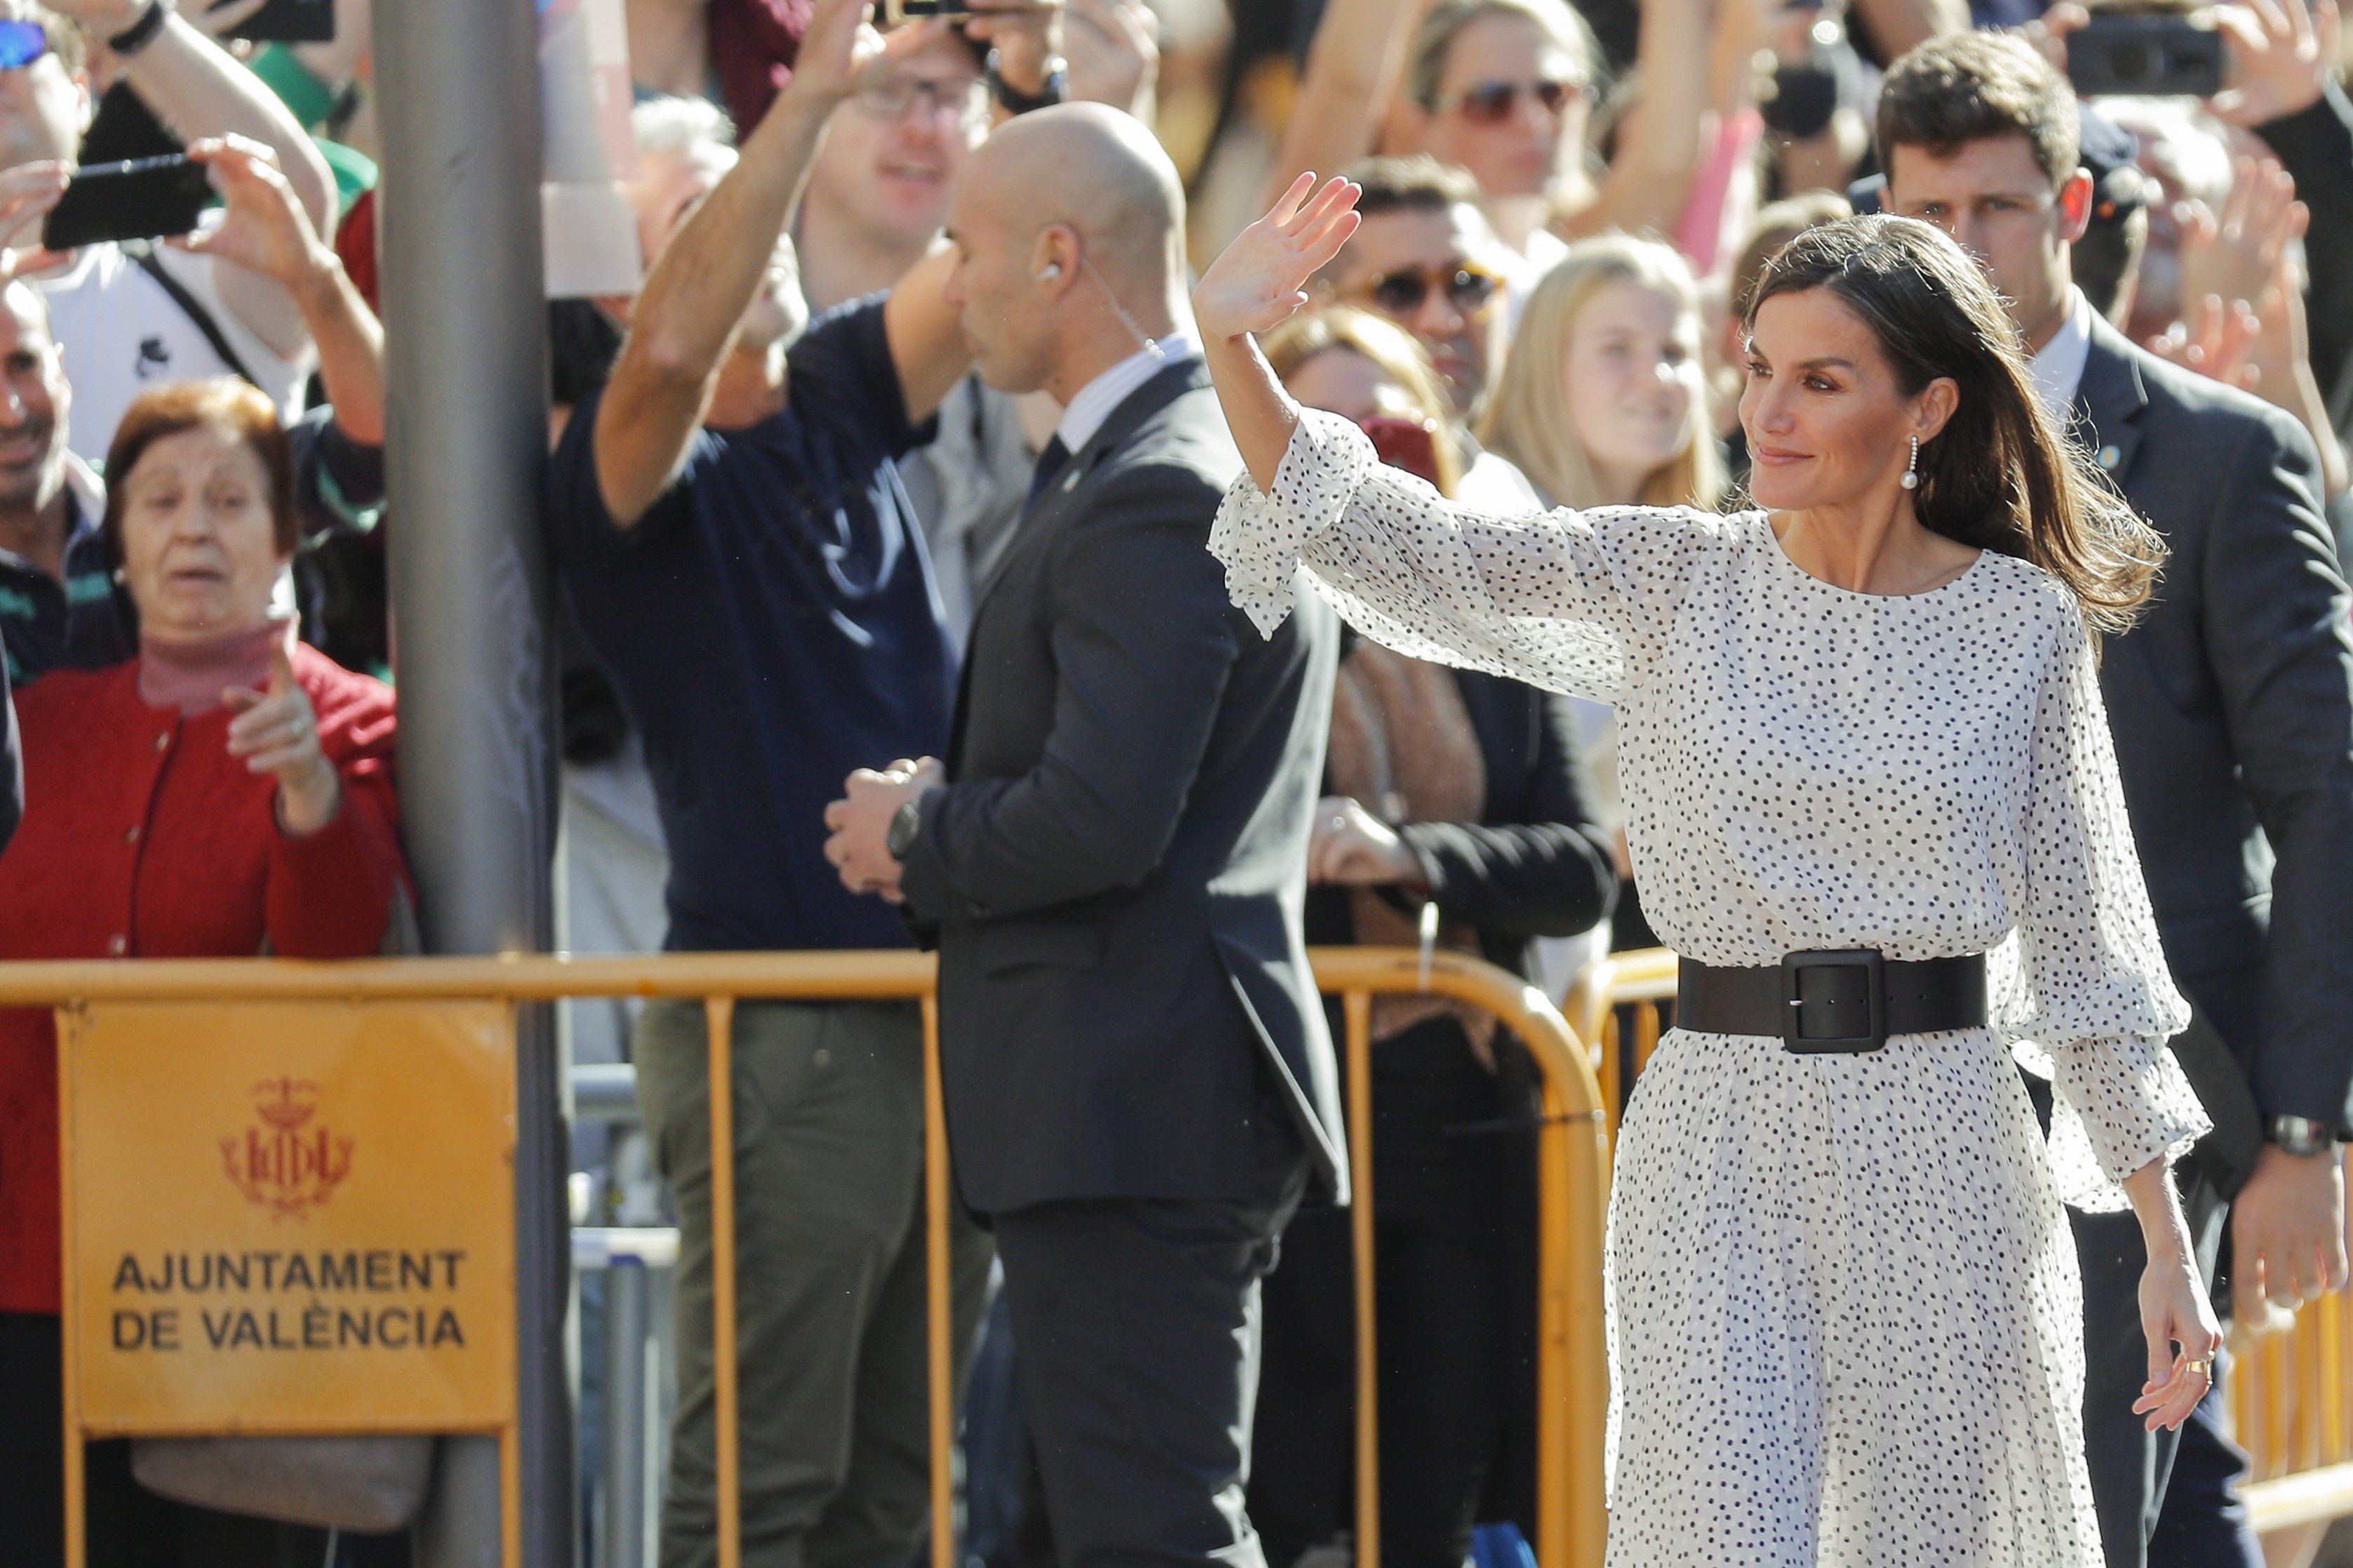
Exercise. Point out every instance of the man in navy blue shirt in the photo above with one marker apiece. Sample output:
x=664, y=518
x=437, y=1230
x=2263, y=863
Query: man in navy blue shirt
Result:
x=728, y=522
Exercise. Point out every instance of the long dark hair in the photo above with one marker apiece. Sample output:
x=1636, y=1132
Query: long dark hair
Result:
x=2002, y=475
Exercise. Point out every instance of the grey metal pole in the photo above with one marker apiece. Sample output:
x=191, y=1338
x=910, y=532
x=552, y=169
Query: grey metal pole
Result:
x=627, y=1459
x=457, y=96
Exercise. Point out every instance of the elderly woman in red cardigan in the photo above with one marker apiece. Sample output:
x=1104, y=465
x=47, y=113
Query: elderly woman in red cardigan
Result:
x=227, y=792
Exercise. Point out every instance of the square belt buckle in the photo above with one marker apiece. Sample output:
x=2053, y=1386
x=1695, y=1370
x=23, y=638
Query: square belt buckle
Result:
x=1849, y=985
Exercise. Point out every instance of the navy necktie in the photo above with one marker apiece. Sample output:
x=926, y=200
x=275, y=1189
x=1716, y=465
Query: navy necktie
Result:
x=1051, y=462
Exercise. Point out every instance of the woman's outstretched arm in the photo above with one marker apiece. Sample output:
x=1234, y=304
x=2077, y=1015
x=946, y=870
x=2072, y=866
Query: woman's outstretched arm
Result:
x=1254, y=285
x=1547, y=600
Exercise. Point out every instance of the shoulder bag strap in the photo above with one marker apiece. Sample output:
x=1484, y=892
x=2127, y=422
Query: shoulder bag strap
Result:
x=193, y=308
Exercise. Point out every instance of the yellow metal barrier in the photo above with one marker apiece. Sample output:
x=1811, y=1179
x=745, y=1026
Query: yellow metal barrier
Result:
x=1642, y=982
x=1572, y=1175
x=2291, y=1398
x=2291, y=1391
x=1573, y=1168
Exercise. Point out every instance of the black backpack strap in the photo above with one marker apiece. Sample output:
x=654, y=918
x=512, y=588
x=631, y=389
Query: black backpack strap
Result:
x=192, y=308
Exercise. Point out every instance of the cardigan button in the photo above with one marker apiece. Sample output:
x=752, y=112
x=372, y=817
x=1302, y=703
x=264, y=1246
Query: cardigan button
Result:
x=131, y=834
x=118, y=945
x=164, y=741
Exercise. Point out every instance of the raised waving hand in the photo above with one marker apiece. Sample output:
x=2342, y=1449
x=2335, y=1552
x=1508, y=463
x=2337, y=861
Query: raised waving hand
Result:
x=1260, y=279
x=1255, y=284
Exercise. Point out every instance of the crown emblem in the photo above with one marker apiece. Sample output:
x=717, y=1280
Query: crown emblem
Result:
x=286, y=1164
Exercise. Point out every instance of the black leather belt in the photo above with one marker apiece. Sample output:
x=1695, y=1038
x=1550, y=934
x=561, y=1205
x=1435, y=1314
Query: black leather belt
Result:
x=1847, y=1001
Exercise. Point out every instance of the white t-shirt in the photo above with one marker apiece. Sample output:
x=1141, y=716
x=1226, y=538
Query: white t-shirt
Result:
x=1546, y=251
x=1493, y=486
x=121, y=334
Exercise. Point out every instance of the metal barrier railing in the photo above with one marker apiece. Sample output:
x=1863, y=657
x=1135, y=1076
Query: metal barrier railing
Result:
x=2291, y=1399
x=627, y=1492
x=1573, y=1166
x=2291, y=1391
x=1641, y=983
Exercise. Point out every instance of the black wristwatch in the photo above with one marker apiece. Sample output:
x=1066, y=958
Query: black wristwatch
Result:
x=1015, y=102
x=142, y=32
x=2300, y=1135
x=906, y=823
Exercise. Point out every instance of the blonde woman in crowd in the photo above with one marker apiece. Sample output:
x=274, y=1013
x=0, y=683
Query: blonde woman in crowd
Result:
x=1455, y=812
x=1603, y=402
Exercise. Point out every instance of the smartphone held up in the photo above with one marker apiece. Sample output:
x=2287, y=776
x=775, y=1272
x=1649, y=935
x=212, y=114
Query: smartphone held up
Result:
x=284, y=21
x=2147, y=54
x=144, y=198
x=896, y=12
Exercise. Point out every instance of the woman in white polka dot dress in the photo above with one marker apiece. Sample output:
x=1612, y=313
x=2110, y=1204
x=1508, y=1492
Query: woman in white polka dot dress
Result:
x=1844, y=1324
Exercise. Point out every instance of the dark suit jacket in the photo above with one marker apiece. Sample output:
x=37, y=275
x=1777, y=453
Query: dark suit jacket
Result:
x=1117, y=868
x=2232, y=704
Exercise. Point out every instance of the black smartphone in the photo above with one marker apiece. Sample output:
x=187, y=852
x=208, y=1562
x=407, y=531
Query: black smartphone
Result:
x=895, y=12
x=145, y=198
x=287, y=21
x=2169, y=56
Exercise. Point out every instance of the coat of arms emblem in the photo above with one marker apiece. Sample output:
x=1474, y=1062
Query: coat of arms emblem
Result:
x=289, y=1161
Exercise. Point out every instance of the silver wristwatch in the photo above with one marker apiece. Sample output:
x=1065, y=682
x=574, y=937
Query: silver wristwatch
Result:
x=2300, y=1134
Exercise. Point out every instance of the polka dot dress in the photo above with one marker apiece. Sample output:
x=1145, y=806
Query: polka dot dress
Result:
x=1845, y=1322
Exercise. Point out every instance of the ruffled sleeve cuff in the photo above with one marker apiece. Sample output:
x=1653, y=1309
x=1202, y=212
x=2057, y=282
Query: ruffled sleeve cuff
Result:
x=2119, y=1099
x=1260, y=538
x=2116, y=1105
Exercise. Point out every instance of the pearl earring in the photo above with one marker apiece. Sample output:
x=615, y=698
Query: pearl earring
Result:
x=1911, y=480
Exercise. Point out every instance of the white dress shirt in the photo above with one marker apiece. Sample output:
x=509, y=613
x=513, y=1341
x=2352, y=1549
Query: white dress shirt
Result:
x=1095, y=400
x=2057, y=369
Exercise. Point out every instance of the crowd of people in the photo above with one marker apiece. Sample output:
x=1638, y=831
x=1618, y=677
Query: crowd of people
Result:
x=883, y=515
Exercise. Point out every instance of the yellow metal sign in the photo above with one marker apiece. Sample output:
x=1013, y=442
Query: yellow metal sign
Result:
x=290, y=1217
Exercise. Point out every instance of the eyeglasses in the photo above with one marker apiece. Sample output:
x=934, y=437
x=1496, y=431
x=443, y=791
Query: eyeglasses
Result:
x=21, y=43
x=893, y=96
x=1492, y=103
x=1401, y=293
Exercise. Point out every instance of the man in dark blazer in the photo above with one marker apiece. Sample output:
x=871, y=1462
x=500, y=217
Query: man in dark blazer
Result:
x=2232, y=705
x=1140, y=1083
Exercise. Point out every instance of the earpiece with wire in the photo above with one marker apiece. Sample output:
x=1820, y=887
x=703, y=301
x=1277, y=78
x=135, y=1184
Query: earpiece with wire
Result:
x=1111, y=296
x=1053, y=269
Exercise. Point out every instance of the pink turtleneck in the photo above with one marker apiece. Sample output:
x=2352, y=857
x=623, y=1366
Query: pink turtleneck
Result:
x=191, y=676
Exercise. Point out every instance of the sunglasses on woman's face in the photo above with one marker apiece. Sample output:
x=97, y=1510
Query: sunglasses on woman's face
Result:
x=1402, y=293
x=1492, y=103
x=21, y=43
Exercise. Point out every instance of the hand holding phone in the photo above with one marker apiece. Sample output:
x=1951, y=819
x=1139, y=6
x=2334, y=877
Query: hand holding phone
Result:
x=263, y=226
x=27, y=195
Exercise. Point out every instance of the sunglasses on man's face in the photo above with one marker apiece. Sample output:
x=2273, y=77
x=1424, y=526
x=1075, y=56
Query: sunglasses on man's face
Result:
x=21, y=43
x=1492, y=103
x=1402, y=293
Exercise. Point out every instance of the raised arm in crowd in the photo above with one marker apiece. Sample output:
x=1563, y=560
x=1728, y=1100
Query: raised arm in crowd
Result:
x=692, y=344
